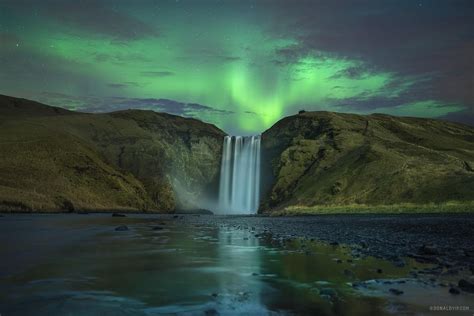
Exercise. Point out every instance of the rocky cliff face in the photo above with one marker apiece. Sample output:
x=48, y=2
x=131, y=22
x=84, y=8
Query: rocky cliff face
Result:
x=323, y=158
x=176, y=158
x=131, y=160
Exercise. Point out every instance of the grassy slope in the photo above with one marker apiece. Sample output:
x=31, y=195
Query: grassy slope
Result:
x=44, y=168
x=52, y=158
x=323, y=160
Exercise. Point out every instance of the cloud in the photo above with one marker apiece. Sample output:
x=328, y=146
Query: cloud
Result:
x=124, y=85
x=209, y=55
x=117, y=85
x=120, y=58
x=109, y=104
x=157, y=73
x=465, y=117
x=433, y=40
x=357, y=72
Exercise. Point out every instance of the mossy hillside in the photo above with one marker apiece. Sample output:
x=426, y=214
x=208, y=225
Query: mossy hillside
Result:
x=169, y=156
x=323, y=158
x=45, y=170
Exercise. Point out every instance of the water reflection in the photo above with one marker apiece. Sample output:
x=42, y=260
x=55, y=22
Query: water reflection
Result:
x=239, y=260
x=85, y=267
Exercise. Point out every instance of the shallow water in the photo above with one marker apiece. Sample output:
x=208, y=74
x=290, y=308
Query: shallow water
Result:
x=79, y=265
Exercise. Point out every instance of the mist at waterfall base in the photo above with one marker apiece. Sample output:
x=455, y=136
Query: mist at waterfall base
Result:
x=239, y=185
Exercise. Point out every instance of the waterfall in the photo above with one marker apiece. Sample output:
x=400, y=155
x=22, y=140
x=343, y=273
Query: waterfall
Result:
x=239, y=188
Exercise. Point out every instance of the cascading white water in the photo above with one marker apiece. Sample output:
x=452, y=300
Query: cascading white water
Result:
x=239, y=188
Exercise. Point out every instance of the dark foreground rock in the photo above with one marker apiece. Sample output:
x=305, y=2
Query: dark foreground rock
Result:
x=396, y=291
x=466, y=286
x=122, y=228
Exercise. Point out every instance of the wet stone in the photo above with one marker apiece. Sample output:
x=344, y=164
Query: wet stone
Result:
x=211, y=312
x=429, y=250
x=396, y=291
x=454, y=291
x=466, y=286
x=328, y=292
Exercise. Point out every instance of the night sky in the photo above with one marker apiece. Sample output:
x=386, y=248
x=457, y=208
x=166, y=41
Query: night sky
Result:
x=242, y=65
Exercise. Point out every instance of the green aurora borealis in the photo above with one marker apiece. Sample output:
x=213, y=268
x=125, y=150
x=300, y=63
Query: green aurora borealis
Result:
x=245, y=64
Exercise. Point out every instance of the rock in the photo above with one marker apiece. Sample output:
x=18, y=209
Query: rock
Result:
x=339, y=261
x=196, y=211
x=334, y=243
x=466, y=286
x=255, y=274
x=454, y=291
x=348, y=273
x=214, y=294
x=379, y=270
x=118, y=215
x=424, y=258
x=396, y=291
x=121, y=228
x=428, y=250
x=211, y=312
x=328, y=292
x=157, y=228
x=451, y=271
x=68, y=206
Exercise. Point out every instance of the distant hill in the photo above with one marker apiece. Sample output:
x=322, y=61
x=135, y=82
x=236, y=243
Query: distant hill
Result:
x=325, y=158
x=17, y=107
x=53, y=159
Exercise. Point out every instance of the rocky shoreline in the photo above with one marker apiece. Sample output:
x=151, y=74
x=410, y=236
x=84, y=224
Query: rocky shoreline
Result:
x=442, y=241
